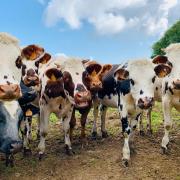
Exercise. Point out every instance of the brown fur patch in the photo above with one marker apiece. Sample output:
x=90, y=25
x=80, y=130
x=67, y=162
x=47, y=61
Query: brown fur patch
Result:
x=162, y=70
x=18, y=62
x=121, y=74
x=32, y=52
x=68, y=83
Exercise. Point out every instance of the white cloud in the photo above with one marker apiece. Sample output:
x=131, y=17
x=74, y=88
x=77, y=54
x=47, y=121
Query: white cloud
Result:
x=111, y=17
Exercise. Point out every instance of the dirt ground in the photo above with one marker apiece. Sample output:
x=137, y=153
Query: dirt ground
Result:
x=100, y=159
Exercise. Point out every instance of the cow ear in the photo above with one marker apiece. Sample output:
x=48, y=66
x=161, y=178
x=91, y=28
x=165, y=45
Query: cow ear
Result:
x=121, y=74
x=94, y=67
x=54, y=74
x=160, y=59
x=18, y=62
x=105, y=69
x=45, y=58
x=162, y=70
x=32, y=52
x=84, y=61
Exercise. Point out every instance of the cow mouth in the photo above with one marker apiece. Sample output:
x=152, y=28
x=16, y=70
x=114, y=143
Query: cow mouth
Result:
x=31, y=81
x=82, y=104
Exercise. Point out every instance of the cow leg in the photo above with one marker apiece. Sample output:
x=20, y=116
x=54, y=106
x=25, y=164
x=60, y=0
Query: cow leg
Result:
x=140, y=126
x=125, y=129
x=38, y=127
x=95, y=114
x=66, y=127
x=149, y=127
x=103, y=110
x=44, y=122
x=167, y=122
x=72, y=124
x=84, y=115
x=24, y=126
x=134, y=123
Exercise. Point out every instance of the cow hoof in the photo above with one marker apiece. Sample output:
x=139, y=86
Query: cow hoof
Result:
x=10, y=160
x=41, y=155
x=164, y=151
x=141, y=133
x=149, y=132
x=27, y=152
x=94, y=135
x=104, y=134
x=125, y=163
x=69, y=151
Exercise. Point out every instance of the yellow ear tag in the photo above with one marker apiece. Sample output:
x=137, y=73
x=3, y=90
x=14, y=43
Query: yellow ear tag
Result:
x=33, y=56
x=53, y=78
x=94, y=73
x=162, y=74
x=28, y=112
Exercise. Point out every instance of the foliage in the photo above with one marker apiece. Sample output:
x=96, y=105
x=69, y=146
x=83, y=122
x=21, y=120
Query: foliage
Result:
x=172, y=35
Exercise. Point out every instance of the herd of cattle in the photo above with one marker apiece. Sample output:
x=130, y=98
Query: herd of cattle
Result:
x=32, y=82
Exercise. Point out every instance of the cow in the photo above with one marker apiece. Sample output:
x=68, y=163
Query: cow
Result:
x=170, y=88
x=31, y=62
x=62, y=92
x=125, y=88
x=92, y=78
x=10, y=91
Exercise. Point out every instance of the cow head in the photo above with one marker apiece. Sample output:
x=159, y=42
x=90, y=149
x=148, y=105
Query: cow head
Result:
x=73, y=69
x=172, y=60
x=141, y=74
x=93, y=74
x=9, y=76
x=31, y=60
x=9, y=87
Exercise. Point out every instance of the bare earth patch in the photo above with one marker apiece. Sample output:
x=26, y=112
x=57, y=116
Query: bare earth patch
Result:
x=100, y=159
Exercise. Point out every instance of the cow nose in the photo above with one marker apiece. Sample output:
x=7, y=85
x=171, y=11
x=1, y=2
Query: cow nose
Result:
x=16, y=146
x=30, y=72
x=145, y=103
x=10, y=91
x=83, y=94
x=96, y=85
x=176, y=84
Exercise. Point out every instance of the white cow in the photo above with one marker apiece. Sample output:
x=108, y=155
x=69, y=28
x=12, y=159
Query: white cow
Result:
x=62, y=91
x=129, y=88
x=170, y=88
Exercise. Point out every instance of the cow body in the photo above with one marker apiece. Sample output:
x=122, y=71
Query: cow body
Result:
x=31, y=62
x=63, y=92
x=10, y=91
x=125, y=89
x=170, y=88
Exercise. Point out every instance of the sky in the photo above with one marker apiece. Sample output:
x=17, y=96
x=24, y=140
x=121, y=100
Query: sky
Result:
x=109, y=31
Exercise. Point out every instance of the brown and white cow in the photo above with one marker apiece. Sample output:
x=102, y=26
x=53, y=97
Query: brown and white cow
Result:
x=63, y=92
x=125, y=88
x=170, y=88
x=30, y=63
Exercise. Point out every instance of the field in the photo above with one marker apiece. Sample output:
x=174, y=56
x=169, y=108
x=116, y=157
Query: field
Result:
x=101, y=159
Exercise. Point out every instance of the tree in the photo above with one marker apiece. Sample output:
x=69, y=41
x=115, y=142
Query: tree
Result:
x=172, y=35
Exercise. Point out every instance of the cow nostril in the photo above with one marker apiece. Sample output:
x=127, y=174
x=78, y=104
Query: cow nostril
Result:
x=1, y=89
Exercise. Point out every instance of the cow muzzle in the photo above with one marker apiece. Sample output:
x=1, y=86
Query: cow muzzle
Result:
x=82, y=99
x=10, y=91
x=96, y=86
x=16, y=147
x=31, y=80
x=145, y=103
x=176, y=84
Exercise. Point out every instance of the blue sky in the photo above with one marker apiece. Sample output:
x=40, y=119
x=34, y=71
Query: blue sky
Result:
x=106, y=30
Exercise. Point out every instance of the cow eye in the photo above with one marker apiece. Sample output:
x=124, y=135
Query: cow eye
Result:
x=153, y=79
x=37, y=63
x=132, y=82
